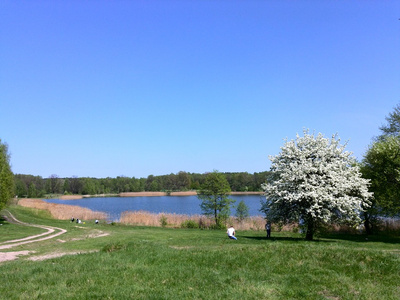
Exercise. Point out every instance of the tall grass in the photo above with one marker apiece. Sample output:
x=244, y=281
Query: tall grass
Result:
x=62, y=211
x=145, y=218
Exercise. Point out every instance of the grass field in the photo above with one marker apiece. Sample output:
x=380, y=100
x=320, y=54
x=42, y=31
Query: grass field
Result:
x=165, y=263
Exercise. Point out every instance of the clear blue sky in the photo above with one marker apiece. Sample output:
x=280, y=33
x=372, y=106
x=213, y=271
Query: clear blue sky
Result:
x=133, y=88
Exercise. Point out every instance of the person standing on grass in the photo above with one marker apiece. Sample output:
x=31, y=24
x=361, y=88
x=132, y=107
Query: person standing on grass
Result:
x=268, y=229
x=231, y=233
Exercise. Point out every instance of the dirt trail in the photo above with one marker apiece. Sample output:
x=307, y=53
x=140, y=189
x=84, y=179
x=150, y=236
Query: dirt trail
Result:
x=51, y=232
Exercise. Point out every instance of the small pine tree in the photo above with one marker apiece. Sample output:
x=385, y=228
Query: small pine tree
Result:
x=242, y=211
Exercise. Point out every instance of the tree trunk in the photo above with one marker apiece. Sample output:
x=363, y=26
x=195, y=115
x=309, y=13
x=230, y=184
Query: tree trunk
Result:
x=310, y=230
x=367, y=225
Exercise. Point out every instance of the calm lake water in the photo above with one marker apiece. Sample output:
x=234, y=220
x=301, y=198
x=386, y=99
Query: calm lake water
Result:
x=188, y=205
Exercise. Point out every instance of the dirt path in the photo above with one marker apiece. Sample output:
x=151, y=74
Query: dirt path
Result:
x=51, y=232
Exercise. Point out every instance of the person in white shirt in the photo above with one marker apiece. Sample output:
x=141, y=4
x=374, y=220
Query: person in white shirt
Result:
x=231, y=233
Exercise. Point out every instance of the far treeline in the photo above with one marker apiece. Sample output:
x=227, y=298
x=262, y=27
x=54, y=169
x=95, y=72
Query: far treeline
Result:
x=36, y=186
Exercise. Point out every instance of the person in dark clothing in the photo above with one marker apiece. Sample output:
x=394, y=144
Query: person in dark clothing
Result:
x=268, y=229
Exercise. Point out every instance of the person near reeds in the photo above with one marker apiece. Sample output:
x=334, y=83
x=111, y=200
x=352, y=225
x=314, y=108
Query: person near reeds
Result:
x=231, y=233
x=268, y=229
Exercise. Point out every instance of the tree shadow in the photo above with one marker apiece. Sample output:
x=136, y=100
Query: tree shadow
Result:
x=278, y=238
x=363, y=238
x=3, y=221
x=332, y=238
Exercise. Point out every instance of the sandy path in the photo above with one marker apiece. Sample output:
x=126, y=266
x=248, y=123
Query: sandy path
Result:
x=51, y=232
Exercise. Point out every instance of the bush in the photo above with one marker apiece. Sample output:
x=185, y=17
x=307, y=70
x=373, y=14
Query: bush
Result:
x=113, y=247
x=163, y=221
x=218, y=226
x=189, y=224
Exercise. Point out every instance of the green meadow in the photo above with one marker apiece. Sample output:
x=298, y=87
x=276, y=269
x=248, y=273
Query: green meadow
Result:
x=130, y=262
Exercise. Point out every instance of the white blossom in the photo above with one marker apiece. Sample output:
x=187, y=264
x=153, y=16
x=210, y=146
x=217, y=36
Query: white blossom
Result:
x=314, y=178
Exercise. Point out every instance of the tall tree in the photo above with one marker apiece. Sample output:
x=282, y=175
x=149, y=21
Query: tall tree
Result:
x=214, y=197
x=381, y=165
x=392, y=128
x=314, y=180
x=6, y=176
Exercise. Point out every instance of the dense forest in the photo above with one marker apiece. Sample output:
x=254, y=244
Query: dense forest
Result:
x=37, y=186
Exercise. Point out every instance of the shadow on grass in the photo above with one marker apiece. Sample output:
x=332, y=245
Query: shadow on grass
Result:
x=330, y=238
x=278, y=238
x=363, y=238
x=3, y=221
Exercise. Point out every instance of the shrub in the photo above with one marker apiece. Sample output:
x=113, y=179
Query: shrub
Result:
x=218, y=226
x=189, y=224
x=163, y=221
x=113, y=247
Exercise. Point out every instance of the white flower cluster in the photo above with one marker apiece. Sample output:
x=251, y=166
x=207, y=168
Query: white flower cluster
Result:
x=315, y=177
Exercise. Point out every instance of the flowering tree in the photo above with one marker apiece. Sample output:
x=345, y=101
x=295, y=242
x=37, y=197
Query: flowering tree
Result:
x=314, y=181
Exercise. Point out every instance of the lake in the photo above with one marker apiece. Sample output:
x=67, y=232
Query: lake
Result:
x=187, y=205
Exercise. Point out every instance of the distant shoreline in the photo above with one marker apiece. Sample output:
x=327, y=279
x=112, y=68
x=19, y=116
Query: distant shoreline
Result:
x=186, y=193
x=148, y=194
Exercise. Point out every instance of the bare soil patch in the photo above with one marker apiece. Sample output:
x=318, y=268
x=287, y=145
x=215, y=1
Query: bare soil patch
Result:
x=52, y=232
x=5, y=256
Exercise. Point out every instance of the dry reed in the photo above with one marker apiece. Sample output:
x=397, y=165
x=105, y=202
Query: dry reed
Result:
x=63, y=211
x=145, y=218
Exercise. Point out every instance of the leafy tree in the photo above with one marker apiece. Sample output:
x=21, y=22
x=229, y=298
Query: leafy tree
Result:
x=75, y=185
x=29, y=186
x=21, y=189
x=154, y=186
x=90, y=186
x=32, y=191
x=214, y=196
x=183, y=181
x=54, y=184
x=6, y=176
x=393, y=126
x=381, y=165
x=242, y=211
x=315, y=181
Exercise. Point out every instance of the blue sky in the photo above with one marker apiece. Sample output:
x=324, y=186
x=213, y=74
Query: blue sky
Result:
x=134, y=88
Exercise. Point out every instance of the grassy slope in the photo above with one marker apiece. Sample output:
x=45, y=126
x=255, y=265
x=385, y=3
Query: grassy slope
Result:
x=158, y=263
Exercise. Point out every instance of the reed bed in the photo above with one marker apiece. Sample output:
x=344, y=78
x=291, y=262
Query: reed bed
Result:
x=144, y=218
x=62, y=211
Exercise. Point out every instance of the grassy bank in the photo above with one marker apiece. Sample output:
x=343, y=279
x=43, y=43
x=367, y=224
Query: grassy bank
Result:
x=133, y=262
